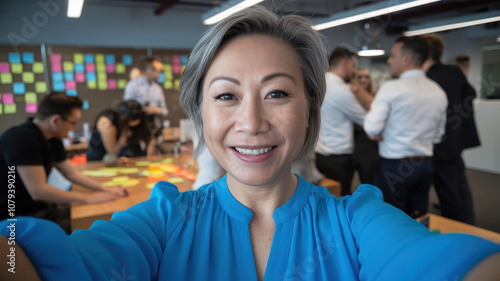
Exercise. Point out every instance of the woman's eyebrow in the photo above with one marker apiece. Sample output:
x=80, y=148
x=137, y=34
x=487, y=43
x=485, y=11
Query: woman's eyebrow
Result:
x=225, y=78
x=279, y=74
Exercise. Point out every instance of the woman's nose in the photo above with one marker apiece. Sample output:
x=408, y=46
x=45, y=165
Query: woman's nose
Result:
x=251, y=117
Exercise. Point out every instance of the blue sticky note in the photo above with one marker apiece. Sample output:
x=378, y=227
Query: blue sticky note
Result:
x=57, y=76
x=14, y=58
x=69, y=76
x=110, y=59
x=58, y=86
x=88, y=58
x=79, y=68
x=127, y=59
x=91, y=76
x=71, y=93
x=28, y=58
x=161, y=78
x=85, y=105
x=184, y=59
x=18, y=88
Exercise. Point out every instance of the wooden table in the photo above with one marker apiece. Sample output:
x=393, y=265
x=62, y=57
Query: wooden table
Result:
x=82, y=215
x=446, y=225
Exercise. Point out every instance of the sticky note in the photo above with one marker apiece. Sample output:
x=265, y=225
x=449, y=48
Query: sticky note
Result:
x=177, y=81
x=14, y=58
x=58, y=86
x=161, y=78
x=68, y=66
x=28, y=58
x=91, y=76
x=168, y=84
x=99, y=58
x=69, y=76
x=5, y=78
x=90, y=67
x=4, y=67
x=102, y=85
x=78, y=58
x=71, y=92
x=120, y=68
x=40, y=87
x=9, y=108
x=1, y=108
x=101, y=67
x=112, y=84
x=18, y=88
x=79, y=67
x=110, y=68
x=176, y=180
x=30, y=97
x=89, y=58
x=55, y=58
x=57, y=76
x=80, y=77
x=110, y=59
x=176, y=69
x=38, y=67
x=7, y=98
x=16, y=68
x=184, y=59
x=85, y=105
x=91, y=84
x=121, y=83
x=70, y=85
x=31, y=108
x=28, y=77
x=176, y=60
x=127, y=59
x=56, y=67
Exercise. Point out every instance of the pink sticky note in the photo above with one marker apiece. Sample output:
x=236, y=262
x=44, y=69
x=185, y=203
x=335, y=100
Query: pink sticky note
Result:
x=55, y=58
x=7, y=98
x=176, y=68
x=90, y=67
x=175, y=59
x=112, y=84
x=56, y=67
x=31, y=108
x=70, y=85
x=4, y=67
x=80, y=77
x=110, y=68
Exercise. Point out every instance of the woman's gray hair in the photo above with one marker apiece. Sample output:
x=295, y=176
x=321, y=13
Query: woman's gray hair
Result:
x=292, y=30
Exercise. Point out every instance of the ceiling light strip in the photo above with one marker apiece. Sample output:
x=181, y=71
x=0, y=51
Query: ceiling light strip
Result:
x=75, y=8
x=225, y=10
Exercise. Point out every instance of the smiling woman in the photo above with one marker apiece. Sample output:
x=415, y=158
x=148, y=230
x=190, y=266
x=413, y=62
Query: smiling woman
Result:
x=254, y=86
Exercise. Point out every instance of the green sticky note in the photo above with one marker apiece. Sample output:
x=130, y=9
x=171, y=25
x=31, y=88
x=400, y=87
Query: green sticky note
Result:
x=68, y=66
x=38, y=67
x=101, y=68
x=41, y=87
x=177, y=81
x=30, y=97
x=120, y=68
x=102, y=76
x=99, y=58
x=1, y=108
x=5, y=78
x=16, y=68
x=102, y=85
x=28, y=77
x=91, y=85
x=121, y=83
x=10, y=108
x=78, y=58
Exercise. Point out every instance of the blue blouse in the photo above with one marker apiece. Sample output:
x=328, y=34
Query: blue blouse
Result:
x=204, y=235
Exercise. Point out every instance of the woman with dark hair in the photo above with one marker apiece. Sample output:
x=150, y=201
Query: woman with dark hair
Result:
x=119, y=132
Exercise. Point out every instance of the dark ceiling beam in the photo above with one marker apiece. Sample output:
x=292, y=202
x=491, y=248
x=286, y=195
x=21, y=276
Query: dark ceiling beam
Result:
x=165, y=6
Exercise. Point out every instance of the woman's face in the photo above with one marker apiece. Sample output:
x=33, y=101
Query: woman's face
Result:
x=363, y=78
x=255, y=110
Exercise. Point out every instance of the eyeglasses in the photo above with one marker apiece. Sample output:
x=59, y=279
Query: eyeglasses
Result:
x=66, y=120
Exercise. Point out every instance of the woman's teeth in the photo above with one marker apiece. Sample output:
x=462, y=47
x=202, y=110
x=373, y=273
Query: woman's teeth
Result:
x=253, y=151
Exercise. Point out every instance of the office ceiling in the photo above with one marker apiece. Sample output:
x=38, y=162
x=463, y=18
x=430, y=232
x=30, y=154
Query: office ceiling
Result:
x=316, y=9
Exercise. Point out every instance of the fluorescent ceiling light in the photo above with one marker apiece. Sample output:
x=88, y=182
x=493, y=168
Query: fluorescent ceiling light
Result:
x=225, y=10
x=453, y=23
x=370, y=53
x=75, y=8
x=498, y=39
x=367, y=12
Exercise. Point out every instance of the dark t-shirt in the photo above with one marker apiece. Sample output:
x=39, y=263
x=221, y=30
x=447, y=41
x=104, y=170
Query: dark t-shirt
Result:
x=25, y=145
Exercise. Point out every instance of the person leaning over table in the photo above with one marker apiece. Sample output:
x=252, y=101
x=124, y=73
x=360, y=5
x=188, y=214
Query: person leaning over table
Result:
x=29, y=151
x=115, y=128
x=253, y=85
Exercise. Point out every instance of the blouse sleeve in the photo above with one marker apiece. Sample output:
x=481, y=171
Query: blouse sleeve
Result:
x=130, y=245
x=392, y=246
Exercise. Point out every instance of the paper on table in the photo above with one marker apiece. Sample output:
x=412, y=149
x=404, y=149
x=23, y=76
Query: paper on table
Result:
x=97, y=173
x=176, y=180
x=142, y=163
x=150, y=185
x=168, y=160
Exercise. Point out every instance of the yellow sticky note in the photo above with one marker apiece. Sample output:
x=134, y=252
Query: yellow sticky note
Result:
x=101, y=77
x=101, y=68
x=120, y=68
x=30, y=97
x=91, y=85
x=102, y=85
x=68, y=66
x=168, y=160
x=10, y=108
x=142, y=163
x=99, y=58
x=5, y=78
x=128, y=170
x=16, y=68
x=150, y=185
x=40, y=87
x=120, y=179
x=129, y=183
x=177, y=81
x=176, y=180
x=28, y=77
x=78, y=58
x=38, y=67
x=121, y=83
x=168, y=84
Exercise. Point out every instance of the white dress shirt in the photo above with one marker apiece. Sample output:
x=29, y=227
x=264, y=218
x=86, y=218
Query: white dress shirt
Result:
x=146, y=94
x=338, y=113
x=410, y=112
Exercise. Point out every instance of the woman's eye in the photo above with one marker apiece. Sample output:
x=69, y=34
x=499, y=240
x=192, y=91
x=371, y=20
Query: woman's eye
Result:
x=278, y=94
x=225, y=97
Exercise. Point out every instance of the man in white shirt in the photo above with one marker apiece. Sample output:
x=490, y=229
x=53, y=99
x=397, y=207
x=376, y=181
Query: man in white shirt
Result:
x=408, y=116
x=339, y=111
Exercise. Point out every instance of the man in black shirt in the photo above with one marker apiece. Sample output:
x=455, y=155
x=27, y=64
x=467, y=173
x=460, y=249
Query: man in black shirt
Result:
x=29, y=151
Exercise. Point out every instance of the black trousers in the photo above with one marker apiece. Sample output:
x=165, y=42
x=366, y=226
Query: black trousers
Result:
x=337, y=167
x=365, y=156
x=405, y=183
x=452, y=188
